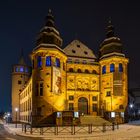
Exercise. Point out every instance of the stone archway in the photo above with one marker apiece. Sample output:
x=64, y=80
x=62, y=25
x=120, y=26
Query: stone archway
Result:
x=83, y=105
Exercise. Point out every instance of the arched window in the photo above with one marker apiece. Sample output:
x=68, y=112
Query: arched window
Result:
x=57, y=62
x=86, y=71
x=48, y=61
x=112, y=67
x=79, y=70
x=94, y=71
x=70, y=69
x=39, y=61
x=120, y=67
x=104, y=69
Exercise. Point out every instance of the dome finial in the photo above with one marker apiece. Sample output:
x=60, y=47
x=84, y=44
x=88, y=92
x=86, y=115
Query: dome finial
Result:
x=50, y=19
x=110, y=29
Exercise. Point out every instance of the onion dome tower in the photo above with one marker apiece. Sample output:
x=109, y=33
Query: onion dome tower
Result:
x=20, y=76
x=114, y=78
x=112, y=44
x=48, y=73
x=49, y=34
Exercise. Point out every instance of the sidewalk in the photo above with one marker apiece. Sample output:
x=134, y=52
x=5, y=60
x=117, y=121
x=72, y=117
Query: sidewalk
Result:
x=125, y=132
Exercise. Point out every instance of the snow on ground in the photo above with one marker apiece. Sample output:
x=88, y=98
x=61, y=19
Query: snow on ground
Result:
x=130, y=131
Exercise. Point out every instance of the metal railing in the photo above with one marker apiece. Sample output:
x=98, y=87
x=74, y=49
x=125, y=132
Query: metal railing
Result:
x=68, y=129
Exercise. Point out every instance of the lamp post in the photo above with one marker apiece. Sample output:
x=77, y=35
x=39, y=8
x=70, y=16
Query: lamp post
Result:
x=16, y=110
x=8, y=115
x=131, y=111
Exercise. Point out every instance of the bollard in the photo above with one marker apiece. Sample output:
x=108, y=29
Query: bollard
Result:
x=104, y=127
x=113, y=126
x=31, y=130
x=117, y=125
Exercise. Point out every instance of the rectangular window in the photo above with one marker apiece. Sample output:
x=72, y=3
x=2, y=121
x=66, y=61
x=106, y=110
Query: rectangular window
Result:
x=94, y=107
x=41, y=89
x=103, y=69
x=19, y=82
x=108, y=93
x=71, y=97
x=57, y=62
x=94, y=98
x=48, y=61
x=71, y=106
x=120, y=67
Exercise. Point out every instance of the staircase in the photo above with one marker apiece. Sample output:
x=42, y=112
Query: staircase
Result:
x=94, y=120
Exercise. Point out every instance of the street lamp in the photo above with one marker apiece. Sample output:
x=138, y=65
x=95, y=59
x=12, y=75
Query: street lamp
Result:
x=8, y=115
x=131, y=106
x=16, y=110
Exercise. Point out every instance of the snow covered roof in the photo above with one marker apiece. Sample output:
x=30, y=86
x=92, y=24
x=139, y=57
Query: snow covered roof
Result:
x=78, y=49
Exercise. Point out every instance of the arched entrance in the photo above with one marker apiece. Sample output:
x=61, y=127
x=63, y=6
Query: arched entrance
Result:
x=83, y=105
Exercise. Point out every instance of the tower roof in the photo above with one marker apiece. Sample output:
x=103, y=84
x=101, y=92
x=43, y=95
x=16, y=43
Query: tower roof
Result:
x=110, y=29
x=50, y=19
x=21, y=59
x=77, y=49
x=49, y=34
x=111, y=44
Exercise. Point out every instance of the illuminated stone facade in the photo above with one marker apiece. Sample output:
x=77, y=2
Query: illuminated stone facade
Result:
x=73, y=78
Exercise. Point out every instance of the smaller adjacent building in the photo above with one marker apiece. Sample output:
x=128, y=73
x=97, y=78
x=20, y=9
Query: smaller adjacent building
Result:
x=134, y=103
x=20, y=76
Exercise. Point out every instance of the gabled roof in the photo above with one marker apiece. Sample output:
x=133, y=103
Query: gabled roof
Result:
x=78, y=49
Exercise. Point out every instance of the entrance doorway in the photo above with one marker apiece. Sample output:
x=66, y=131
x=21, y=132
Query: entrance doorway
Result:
x=83, y=105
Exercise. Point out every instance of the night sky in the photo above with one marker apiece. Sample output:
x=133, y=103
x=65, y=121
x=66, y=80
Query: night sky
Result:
x=21, y=20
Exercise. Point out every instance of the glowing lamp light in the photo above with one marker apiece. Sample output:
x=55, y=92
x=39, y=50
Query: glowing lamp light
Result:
x=131, y=105
x=16, y=109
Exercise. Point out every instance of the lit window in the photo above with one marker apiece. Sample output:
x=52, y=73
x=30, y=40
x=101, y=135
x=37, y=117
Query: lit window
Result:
x=103, y=69
x=112, y=67
x=57, y=62
x=21, y=69
x=39, y=61
x=120, y=67
x=17, y=69
x=108, y=93
x=48, y=61
x=94, y=107
x=26, y=69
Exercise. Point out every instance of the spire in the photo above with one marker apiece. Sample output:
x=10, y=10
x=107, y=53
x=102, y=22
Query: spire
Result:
x=110, y=29
x=50, y=19
x=21, y=59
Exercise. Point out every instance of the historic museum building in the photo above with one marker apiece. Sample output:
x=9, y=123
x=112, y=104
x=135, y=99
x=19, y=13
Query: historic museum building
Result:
x=70, y=80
